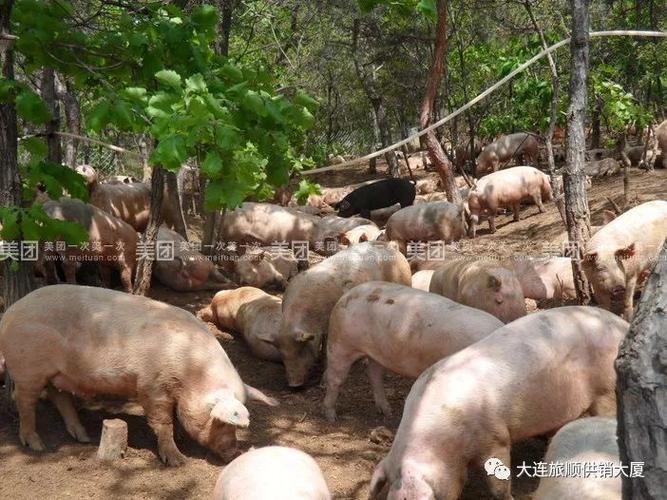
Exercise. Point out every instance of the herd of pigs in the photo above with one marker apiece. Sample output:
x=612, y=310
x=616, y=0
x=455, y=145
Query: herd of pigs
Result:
x=487, y=373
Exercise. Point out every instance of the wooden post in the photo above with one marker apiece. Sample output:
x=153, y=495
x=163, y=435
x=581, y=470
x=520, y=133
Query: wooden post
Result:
x=113, y=442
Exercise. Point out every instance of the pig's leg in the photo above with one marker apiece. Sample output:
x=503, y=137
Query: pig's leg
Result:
x=105, y=275
x=126, y=278
x=50, y=273
x=604, y=405
x=65, y=404
x=537, y=199
x=492, y=222
x=472, y=230
x=69, y=268
x=501, y=489
x=159, y=412
x=26, y=402
x=516, y=209
x=338, y=366
x=375, y=374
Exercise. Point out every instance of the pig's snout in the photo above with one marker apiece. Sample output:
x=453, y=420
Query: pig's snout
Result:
x=230, y=454
x=295, y=381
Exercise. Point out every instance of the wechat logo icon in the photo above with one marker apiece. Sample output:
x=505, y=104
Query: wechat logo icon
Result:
x=495, y=467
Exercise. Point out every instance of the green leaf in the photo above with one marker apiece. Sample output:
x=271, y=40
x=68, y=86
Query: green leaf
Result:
x=303, y=99
x=227, y=137
x=30, y=230
x=232, y=72
x=30, y=107
x=304, y=118
x=205, y=17
x=36, y=147
x=254, y=103
x=214, y=106
x=169, y=77
x=212, y=165
x=428, y=8
x=122, y=115
x=99, y=116
x=195, y=83
x=7, y=89
x=306, y=188
x=223, y=194
x=170, y=153
x=10, y=227
x=368, y=5
x=135, y=93
x=154, y=112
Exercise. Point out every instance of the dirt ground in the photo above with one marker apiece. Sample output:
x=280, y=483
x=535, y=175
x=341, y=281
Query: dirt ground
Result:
x=344, y=450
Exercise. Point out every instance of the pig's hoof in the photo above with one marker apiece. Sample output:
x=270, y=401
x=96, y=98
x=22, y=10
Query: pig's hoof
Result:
x=79, y=433
x=330, y=414
x=229, y=455
x=386, y=411
x=172, y=458
x=32, y=441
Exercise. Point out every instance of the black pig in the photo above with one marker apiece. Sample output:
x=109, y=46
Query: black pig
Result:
x=380, y=194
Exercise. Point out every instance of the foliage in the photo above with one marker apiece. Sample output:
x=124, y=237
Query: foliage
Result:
x=38, y=173
x=152, y=70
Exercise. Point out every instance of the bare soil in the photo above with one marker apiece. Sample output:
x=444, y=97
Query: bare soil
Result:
x=343, y=450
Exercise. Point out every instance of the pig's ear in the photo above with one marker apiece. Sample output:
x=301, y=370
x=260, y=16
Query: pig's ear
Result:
x=494, y=283
x=627, y=252
x=230, y=410
x=607, y=217
x=302, y=336
x=179, y=261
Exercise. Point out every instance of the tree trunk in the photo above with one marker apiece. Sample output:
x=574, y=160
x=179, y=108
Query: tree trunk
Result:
x=17, y=283
x=642, y=390
x=385, y=137
x=438, y=158
x=596, y=123
x=577, y=212
x=620, y=146
x=553, y=110
x=369, y=84
x=226, y=9
x=175, y=204
x=211, y=224
x=72, y=120
x=48, y=89
x=142, y=282
x=372, y=166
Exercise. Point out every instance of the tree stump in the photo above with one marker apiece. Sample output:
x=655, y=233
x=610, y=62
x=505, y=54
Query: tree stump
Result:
x=642, y=390
x=113, y=442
